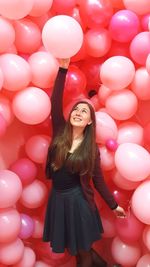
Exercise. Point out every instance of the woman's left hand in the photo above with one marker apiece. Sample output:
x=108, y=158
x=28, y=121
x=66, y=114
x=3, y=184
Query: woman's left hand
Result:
x=120, y=212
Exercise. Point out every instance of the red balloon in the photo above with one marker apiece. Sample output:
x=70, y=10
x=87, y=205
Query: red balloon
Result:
x=96, y=13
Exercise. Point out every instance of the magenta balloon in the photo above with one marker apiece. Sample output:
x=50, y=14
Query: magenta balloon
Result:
x=27, y=226
x=124, y=25
x=111, y=144
x=25, y=169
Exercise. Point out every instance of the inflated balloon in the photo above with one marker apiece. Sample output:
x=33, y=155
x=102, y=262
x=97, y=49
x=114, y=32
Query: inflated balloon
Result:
x=16, y=71
x=107, y=159
x=7, y=35
x=39, y=8
x=117, y=72
x=12, y=252
x=141, y=83
x=146, y=236
x=15, y=9
x=42, y=264
x=62, y=36
x=141, y=201
x=28, y=36
x=10, y=223
x=38, y=228
x=25, y=169
x=130, y=132
x=34, y=195
x=148, y=64
x=44, y=68
x=138, y=7
x=63, y=7
x=140, y=47
x=124, y=253
x=132, y=161
x=144, y=261
x=27, y=226
x=145, y=22
x=122, y=182
x=111, y=144
x=10, y=188
x=38, y=108
x=3, y=125
x=28, y=258
x=124, y=25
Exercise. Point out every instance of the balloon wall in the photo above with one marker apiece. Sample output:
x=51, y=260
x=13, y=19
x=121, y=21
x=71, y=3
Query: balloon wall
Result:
x=109, y=45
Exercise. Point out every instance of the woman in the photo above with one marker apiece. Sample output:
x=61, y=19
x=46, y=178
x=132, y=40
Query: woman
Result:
x=72, y=220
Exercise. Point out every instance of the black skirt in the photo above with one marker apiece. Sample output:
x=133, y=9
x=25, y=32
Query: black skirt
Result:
x=70, y=223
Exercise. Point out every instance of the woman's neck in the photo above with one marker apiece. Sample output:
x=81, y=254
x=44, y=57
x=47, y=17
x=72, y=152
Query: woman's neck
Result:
x=77, y=134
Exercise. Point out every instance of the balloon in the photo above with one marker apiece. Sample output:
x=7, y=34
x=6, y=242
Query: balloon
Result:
x=130, y=132
x=38, y=228
x=39, y=8
x=15, y=9
x=125, y=254
x=141, y=201
x=38, y=108
x=7, y=35
x=65, y=31
x=34, y=195
x=140, y=47
x=63, y=7
x=141, y=83
x=97, y=42
x=144, y=261
x=103, y=94
x=16, y=71
x=42, y=264
x=132, y=161
x=147, y=133
x=130, y=229
x=122, y=182
x=95, y=13
x=10, y=188
x=106, y=127
x=122, y=105
x=145, y=21
x=11, y=253
x=25, y=169
x=111, y=144
x=117, y=72
x=148, y=64
x=28, y=258
x=27, y=226
x=3, y=125
x=138, y=7
x=9, y=224
x=146, y=236
x=107, y=159
x=124, y=25
x=142, y=111
x=28, y=36
x=44, y=68
x=36, y=147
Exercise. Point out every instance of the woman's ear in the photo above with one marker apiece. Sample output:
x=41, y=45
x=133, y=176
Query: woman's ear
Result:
x=90, y=122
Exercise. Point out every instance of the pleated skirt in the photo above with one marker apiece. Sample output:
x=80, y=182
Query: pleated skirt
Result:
x=70, y=223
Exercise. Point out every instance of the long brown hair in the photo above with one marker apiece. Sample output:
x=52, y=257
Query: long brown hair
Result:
x=83, y=158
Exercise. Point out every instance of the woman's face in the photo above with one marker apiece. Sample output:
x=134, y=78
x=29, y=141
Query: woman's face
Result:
x=81, y=115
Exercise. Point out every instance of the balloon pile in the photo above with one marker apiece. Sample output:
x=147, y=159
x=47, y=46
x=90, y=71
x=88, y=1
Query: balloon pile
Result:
x=108, y=42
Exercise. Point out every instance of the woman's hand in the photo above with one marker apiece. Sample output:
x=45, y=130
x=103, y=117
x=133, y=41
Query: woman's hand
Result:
x=64, y=62
x=120, y=212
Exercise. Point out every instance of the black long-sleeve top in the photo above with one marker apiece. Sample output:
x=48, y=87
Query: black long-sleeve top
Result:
x=62, y=178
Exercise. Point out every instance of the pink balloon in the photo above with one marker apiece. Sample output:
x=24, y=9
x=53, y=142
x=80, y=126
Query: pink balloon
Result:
x=63, y=7
x=105, y=127
x=28, y=258
x=141, y=83
x=97, y=42
x=25, y=169
x=130, y=229
x=144, y=261
x=34, y=195
x=122, y=105
x=145, y=22
x=107, y=159
x=103, y=93
x=15, y=9
x=143, y=110
x=124, y=25
x=125, y=254
x=44, y=68
x=108, y=226
x=7, y=35
x=36, y=147
x=133, y=161
x=117, y=72
x=148, y=64
x=27, y=226
x=141, y=201
x=3, y=125
x=42, y=264
x=10, y=188
x=111, y=144
x=140, y=47
x=138, y=7
x=122, y=182
x=16, y=71
x=11, y=253
x=28, y=36
x=38, y=228
x=9, y=224
x=38, y=107
x=1, y=79
x=65, y=31
x=146, y=236
x=40, y=7
x=130, y=132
